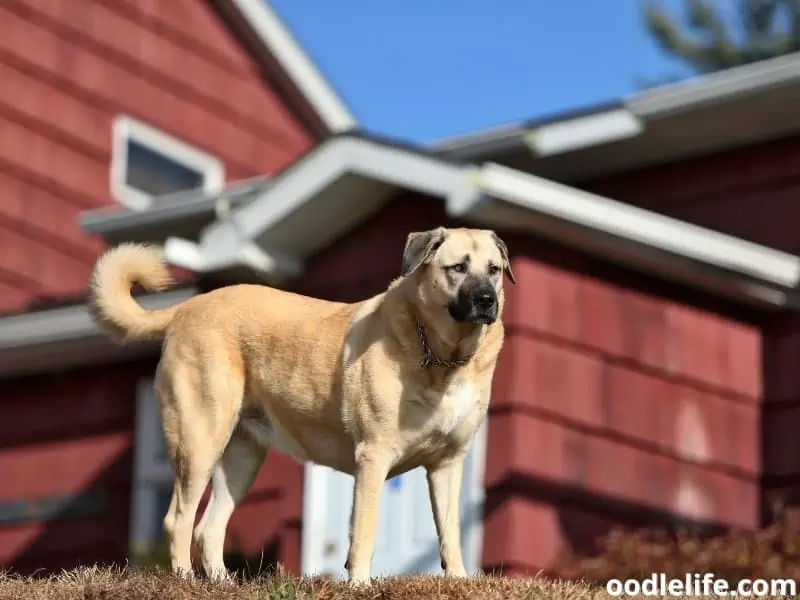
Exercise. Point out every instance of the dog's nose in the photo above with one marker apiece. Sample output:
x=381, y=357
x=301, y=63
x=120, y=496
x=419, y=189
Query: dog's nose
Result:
x=484, y=299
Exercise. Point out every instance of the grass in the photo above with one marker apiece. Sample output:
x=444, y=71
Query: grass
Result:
x=128, y=584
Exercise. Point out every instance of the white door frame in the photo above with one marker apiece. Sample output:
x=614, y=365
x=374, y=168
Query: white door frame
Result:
x=315, y=506
x=150, y=472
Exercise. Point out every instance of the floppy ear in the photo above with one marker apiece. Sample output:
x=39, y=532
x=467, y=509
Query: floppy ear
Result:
x=501, y=245
x=420, y=246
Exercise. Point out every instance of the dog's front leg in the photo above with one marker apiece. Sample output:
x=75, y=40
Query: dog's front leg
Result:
x=371, y=471
x=444, y=486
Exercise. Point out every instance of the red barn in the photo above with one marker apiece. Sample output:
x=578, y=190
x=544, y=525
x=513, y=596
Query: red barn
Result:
x=650, y=334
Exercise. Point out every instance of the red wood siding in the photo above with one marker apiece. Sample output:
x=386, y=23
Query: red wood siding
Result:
x=626, y=407
x=752, y=193
x=88, y=450
x=63, y=435
x=65, y=71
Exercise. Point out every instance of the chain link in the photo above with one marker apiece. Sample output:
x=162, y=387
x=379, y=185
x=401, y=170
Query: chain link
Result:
x=430, y=359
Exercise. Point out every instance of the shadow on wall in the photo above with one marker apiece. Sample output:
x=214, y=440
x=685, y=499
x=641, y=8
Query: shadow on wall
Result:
x=46, y=534
x=91, y=527
x=601, y=538
x=42, y=533
x=66, y=466
x=568, y=521
x=66, y=475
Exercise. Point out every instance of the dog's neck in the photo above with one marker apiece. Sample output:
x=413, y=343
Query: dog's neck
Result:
x=445, y=343
x=438, y=340
x=430, y=358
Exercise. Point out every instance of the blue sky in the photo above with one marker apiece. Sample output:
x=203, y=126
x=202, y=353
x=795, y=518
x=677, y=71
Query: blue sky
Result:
x=427, y=69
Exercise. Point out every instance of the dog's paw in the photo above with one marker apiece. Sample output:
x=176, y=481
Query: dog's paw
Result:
x=456, y=573
x=221, y=576
x=359, y=581
x=187, y=574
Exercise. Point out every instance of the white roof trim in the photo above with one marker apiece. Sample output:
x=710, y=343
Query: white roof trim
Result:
x=505, y=198
x=191, y=256
x=274, y=35
x=40, y=340
x=638, y=225
x=579, y=132
x=229, y=243
x=347, y=155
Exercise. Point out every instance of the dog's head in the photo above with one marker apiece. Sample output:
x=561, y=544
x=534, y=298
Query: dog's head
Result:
x=459, y=270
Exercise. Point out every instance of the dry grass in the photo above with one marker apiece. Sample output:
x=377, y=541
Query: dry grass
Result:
x=108, y=584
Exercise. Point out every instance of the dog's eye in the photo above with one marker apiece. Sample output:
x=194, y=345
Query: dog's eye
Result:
x=494, y=269
x=457, y=268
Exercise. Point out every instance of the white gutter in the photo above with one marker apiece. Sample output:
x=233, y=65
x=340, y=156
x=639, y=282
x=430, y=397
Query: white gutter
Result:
x=69, y=323
x=716, y=87
x=191, y=256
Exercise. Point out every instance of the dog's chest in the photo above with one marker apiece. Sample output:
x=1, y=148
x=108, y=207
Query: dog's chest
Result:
x=451, y=406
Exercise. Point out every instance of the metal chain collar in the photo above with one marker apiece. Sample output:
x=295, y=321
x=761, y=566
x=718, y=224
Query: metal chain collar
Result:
x=429, y=358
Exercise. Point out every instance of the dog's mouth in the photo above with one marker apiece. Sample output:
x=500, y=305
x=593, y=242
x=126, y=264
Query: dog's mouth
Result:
x=484, y=319
x=471, y=314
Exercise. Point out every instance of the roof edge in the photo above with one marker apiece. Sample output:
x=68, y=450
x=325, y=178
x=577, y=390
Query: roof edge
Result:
x=506, y=198
x=716, y=88
x=670, y=100
x=275, y=36
x=68, y=337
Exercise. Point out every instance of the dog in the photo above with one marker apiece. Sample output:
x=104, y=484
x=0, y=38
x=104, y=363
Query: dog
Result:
x=373, y=388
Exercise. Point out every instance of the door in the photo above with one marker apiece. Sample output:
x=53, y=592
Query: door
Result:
x=406, y=539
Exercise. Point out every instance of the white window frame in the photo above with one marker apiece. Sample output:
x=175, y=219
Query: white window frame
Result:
x=150, y=473
x=124, y=128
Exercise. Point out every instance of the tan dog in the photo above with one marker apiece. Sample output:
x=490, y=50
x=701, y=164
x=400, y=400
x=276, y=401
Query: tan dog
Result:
x=374, y=388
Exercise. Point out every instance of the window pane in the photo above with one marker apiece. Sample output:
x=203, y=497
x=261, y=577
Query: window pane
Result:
x=157, y=174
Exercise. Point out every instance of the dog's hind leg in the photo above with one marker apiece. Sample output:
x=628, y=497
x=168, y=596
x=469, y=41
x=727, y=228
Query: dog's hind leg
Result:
x=232, y=477
x=190, y=483
x=198, y=415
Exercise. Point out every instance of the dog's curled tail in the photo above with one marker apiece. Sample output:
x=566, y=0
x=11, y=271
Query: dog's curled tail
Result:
x=110, y=299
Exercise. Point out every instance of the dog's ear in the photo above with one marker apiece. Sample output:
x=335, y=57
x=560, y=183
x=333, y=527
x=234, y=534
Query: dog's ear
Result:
x=501, y=245
x=420, y=246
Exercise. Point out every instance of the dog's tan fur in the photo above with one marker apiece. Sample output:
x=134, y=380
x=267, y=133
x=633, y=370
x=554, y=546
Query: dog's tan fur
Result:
x=248, y=367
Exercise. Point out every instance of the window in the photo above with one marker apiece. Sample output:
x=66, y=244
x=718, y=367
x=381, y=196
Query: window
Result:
x=152, y=476
x=146, y=162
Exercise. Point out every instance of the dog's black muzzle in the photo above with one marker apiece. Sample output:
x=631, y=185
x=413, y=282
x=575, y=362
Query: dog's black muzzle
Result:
x=475, y=303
